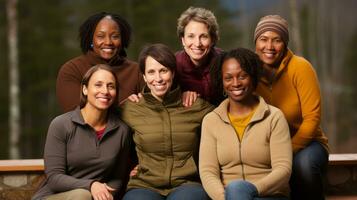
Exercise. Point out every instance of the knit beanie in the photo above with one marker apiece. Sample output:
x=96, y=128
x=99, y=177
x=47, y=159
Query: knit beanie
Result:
x=273, y=23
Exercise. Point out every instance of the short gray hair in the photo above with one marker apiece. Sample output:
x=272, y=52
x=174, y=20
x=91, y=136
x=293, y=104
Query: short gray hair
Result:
x=199, y=15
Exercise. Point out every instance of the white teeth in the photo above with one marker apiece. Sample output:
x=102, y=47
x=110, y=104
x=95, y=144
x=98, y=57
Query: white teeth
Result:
x=197, y=51
x=107, y=50
x=103, y=99
x=237, y=92
x=269, y=55
x=159, y=87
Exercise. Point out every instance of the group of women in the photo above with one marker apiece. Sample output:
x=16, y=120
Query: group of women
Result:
x=204, y=123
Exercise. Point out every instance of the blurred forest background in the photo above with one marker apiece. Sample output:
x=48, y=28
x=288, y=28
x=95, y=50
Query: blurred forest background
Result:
x=323, y=31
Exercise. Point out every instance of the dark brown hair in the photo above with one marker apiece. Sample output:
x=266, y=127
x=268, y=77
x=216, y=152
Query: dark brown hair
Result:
x=161, y=53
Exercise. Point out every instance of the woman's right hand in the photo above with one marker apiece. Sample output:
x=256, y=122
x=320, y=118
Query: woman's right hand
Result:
x=101, y=191
x=189, y=97
x=135, y=97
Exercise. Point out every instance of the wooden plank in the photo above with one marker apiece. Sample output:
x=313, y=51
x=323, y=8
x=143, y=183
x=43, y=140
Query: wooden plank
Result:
x=343, y=159
x=21, y=165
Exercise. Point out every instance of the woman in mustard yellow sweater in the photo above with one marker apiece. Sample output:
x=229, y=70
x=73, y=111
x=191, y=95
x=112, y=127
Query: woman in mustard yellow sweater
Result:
x=291, y=84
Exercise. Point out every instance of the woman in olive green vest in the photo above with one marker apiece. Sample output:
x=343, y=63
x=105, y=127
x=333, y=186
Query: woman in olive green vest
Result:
x=166, y=134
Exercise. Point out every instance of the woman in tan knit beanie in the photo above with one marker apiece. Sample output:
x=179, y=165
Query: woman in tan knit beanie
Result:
x=290, y=83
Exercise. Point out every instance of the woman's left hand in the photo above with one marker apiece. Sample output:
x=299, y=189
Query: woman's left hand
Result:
x=101, y=191
x=189, y=97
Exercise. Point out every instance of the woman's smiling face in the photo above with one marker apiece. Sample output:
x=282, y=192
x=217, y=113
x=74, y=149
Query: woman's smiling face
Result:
x=236, y=82
x=197, y=41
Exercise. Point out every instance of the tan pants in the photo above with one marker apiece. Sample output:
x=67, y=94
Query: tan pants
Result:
x=77, y=194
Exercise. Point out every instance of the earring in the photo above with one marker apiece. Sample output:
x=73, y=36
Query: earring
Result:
x=224, y=93
x=91, y=45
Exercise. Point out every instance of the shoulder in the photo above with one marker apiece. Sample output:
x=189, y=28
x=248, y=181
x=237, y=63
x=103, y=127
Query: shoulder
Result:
x=300, y=65
x=181, y=59
x=130, y=110
x=79, y=60
x=276, y=115
x=211, y=116
x=201, y=104
x=179, y=54
x=62, y=123
x=117, y=122
x=76, y=64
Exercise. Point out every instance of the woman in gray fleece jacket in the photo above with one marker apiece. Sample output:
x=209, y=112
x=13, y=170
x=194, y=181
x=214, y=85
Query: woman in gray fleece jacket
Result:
x=86, y=149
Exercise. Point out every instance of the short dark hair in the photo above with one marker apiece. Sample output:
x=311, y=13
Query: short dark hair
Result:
x=161, y=53
x=88, y=76
x=86, y=31
x=248, y=60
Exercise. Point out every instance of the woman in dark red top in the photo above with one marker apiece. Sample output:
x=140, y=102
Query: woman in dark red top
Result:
x=198, y=30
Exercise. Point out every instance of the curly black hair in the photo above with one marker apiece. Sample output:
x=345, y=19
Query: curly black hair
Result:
x=86, y=31
x=248, y=60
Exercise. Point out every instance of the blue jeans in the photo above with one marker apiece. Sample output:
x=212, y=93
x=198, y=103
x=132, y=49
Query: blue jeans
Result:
x=186, y=191
x=309, y=170
x=244, y=190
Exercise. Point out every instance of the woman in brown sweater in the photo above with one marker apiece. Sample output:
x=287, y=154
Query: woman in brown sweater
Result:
x=103, y=40
x=87, y=149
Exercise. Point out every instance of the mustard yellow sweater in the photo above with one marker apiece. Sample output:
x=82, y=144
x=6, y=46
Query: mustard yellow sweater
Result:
x=295, y=91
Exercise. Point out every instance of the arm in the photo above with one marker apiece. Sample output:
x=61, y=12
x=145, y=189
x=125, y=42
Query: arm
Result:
x=208, y=162
x=68, y=87
x=120, y=170
x=55, y=158
x=280, y=156
x=308, y=90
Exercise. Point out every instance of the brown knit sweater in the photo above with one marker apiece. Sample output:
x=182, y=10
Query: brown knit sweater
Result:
x=71, y=73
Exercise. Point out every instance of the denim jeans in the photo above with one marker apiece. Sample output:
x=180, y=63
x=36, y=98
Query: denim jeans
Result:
x=187, y=192
x=244, y=190
x=309, y=170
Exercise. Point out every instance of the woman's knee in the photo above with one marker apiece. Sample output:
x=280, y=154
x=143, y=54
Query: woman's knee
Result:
x=311, y=160
x=142, y=193
x=76, y=194
x=80, y=194
x=240, y=188
x=188, y=191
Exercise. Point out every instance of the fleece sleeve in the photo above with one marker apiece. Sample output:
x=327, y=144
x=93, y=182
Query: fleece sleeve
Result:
x=208, y=161
x=281, y=158
x=55, y=158
x=308, y=90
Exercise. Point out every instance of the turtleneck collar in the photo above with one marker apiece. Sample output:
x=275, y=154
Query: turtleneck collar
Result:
x=171, y=99
x=95, y=58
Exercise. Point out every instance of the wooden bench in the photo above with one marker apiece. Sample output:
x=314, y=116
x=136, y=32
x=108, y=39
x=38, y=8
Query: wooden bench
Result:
x=19, y=179
x=21, y=165
x=342, y=176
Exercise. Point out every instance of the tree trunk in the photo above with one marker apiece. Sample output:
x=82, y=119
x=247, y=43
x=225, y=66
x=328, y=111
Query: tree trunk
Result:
x=295, y=28
x=14, y=103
